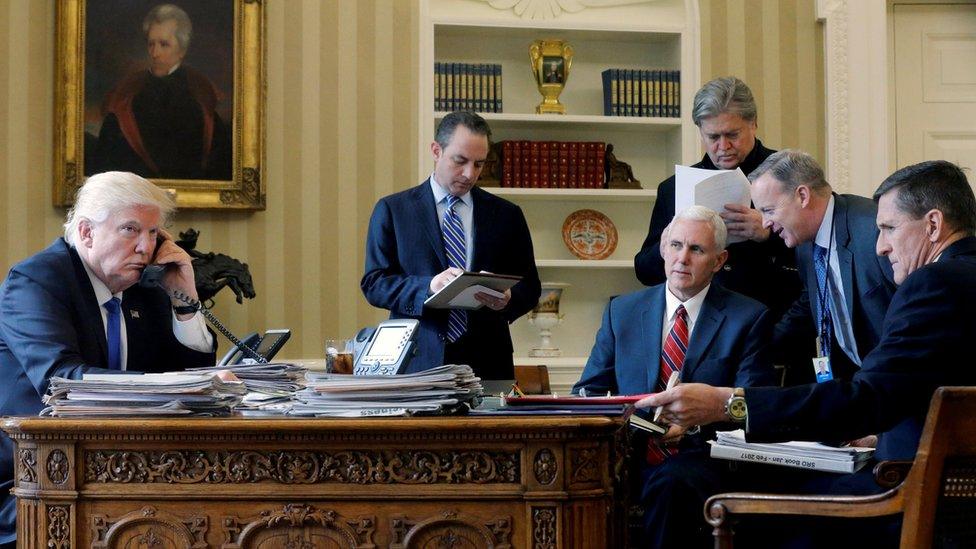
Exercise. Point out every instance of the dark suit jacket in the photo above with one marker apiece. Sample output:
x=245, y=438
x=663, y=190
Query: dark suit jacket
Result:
x=405, y=250
x=51, y=325
x=764, y=271
x=925, y=333
x=727, y=347
x=867, y=278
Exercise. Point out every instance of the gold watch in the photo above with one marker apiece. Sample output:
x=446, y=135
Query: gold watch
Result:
x=735, y=406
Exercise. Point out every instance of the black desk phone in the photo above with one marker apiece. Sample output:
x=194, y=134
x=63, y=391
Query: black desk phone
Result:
x=258, y=349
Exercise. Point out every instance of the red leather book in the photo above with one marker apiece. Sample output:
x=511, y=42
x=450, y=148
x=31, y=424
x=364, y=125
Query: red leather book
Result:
x=543, y=163
x=563, y=165
x=508, y=151
x=534, y=181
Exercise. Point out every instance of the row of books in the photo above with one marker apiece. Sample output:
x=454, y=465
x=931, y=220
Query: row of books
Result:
x=467, y=87
x=631, y=92
x=553, y=164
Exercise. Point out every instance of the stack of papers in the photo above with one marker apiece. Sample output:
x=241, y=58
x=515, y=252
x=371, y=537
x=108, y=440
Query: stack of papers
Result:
x=271, y=387
x=435, y=391
x=115, y=395
x=803, y=455
x=554, y=404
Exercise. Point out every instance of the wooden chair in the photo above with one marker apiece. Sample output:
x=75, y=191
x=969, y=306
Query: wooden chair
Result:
x=938, y=496
x=533, y=380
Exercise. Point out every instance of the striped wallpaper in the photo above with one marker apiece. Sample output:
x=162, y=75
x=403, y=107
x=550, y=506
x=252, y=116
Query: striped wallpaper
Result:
x=342, y=81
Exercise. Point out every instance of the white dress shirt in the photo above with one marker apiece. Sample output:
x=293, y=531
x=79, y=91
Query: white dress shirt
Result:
x=192, y=333
x=464, y=209
x=692, y=308
x=839, y=315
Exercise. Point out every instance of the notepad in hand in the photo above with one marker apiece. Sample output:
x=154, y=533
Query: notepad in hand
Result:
x=459, y=293
x=647, y=425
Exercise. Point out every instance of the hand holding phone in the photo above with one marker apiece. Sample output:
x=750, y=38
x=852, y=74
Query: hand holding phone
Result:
x=177, y=274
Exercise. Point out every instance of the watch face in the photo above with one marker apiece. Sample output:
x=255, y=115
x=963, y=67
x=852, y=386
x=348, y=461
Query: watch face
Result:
x=737, y=408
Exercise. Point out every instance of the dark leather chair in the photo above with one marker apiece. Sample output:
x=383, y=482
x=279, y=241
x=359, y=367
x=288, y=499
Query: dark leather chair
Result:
x=937, y=497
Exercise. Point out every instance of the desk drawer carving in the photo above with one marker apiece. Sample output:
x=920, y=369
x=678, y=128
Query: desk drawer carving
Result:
x=300, y=467
x=149, y=528
x=299, y=526
x=451, y=529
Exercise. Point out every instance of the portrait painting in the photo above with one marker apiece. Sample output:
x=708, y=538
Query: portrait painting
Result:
x=169, y=90
x=552, y=69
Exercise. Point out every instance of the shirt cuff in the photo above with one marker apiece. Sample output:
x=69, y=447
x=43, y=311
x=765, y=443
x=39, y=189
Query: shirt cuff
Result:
x=193, y=333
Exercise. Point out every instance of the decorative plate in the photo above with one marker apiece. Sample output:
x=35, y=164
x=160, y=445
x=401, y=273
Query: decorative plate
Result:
x=589, y=234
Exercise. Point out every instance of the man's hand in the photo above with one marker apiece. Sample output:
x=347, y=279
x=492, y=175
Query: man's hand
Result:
x=690, y=404
x=673, y=436
x=744, y=222
x=492, y=302
x=179, y=278
x=870, y=441
x=443, y=278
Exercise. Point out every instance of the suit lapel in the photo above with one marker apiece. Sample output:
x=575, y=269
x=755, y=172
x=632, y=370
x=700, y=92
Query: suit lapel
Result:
x=90, y=306
x=424, y=201
x=845, y=256
x=480, y=221
x=651, y=318
x=710, y=318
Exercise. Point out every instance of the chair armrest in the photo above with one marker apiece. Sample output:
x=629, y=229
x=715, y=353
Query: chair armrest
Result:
x=888, y=474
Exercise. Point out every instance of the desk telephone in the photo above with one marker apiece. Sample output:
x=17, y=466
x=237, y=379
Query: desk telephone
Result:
x=258, y=349
x=386, y=349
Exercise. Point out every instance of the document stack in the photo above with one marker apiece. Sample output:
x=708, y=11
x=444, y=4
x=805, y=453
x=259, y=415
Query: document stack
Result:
x=802, y=455
x=443, y=390
x=122, y=395
x=271, y=387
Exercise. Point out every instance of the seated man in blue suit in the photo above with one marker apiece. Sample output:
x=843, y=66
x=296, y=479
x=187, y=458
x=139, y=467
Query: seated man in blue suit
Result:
x=927, y=223
x=845, y=295
x=75, y=308
x=422, y=238
x=692, y=328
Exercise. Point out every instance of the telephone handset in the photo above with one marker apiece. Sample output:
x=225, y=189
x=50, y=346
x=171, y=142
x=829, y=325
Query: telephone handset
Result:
x=152, y=277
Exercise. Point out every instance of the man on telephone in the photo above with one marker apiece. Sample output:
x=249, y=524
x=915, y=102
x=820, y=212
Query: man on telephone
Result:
x=422, y=238
x=75, y=307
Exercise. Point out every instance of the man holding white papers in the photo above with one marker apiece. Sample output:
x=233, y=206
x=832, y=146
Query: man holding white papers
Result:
x=690, y=328
x=759, y=265
x=422, y=238
x=846, y=286
x=927, y=222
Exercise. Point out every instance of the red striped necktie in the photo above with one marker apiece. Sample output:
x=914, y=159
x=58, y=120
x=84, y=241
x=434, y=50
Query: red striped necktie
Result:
x=672, y=358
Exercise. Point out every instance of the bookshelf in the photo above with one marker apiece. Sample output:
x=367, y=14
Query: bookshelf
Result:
x=662, y=34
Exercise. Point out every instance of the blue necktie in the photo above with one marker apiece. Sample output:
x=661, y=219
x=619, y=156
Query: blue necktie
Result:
x=114, y=333
x=825, y=326
x=454, y=246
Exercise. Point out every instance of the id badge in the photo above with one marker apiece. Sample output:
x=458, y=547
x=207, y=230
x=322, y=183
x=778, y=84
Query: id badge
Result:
x=821, y=367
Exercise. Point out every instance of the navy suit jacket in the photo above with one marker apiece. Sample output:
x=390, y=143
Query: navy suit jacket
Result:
x=51, y=325
x=727, y=347
x=867, y=278
x=928, y=326
x=405, y=250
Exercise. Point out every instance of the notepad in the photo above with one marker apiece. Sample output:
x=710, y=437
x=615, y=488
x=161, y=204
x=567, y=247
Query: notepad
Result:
x=459, y=293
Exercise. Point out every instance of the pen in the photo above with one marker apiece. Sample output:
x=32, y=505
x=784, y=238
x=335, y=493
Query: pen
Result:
x=672, y=381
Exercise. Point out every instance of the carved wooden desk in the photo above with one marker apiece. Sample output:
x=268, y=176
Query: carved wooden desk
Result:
x=540, y=482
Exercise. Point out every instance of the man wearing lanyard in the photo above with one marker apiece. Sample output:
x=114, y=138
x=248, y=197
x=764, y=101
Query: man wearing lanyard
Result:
x=846, y=286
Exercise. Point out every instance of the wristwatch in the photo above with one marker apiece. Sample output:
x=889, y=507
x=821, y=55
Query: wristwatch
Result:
x=184, y=309
x=735, y=406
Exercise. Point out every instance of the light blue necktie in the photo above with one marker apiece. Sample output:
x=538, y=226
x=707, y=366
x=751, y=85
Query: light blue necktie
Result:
x=114, y=333
x=454, y=247
x=825, y=325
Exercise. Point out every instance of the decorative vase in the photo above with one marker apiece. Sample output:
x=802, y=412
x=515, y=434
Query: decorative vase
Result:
x=545, y=316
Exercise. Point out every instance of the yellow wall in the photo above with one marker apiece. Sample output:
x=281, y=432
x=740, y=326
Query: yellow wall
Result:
x=342, y=81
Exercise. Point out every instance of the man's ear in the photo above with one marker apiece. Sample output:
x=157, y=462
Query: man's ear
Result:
x=722, y=257
x=934, y=225
x=435, y=150
x=803, y=193
x=85, y=233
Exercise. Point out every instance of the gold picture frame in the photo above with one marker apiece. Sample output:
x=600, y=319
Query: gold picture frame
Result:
x=75, y=143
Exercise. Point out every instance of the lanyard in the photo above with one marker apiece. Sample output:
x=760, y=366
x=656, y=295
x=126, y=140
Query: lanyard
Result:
x=823, y=297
